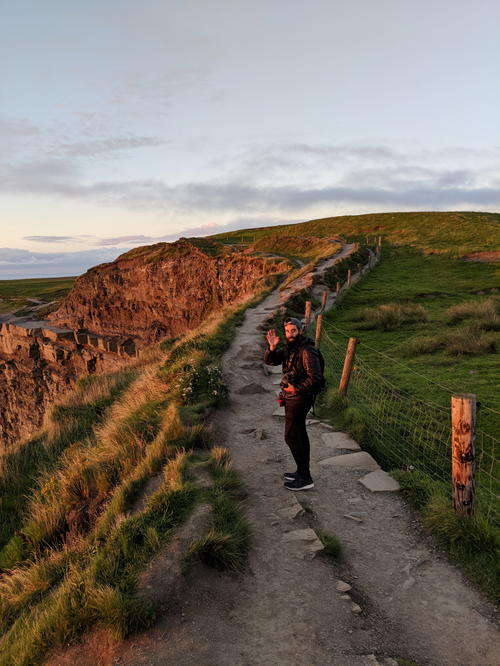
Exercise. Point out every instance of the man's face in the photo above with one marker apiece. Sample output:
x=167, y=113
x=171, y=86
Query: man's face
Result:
x=291, y=332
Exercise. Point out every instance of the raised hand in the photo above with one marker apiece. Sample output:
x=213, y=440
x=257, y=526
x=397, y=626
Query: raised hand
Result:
x=272, y=339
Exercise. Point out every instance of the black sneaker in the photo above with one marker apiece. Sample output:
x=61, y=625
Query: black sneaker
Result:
x=290, y=476
x=299, y=484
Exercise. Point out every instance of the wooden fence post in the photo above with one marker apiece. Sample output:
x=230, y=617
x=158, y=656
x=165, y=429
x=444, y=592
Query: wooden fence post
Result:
x=463, y=456
x=307, y=315
x=319, y=323
x=324, y=296
x=349, y=277
x=346, y=370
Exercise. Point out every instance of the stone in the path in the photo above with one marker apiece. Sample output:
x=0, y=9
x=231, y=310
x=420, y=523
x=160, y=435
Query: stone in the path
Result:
x=280, y=411
x=326, y=426
x=379, y=481
x=275, y=380
x=339, y=440
x=342, y=586
x=307, y=541
x=292, y=510
x=360, y=460
x=252, y=388
x=356, y=609
x=275, y=369
x=311, y=421
x=345, y=597
x=351, y=517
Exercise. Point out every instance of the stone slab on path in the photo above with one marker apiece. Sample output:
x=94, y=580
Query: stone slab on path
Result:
x=280, y=411
x=361, y=459
x=307, y=540
x=340, y=440
x=379, y=481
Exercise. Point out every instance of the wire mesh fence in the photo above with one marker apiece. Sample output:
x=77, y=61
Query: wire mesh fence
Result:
x=406, y=432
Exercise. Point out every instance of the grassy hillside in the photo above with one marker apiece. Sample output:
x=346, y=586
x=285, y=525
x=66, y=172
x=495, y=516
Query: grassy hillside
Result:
x=455, y=232
x=78, y=528
x=14, y=294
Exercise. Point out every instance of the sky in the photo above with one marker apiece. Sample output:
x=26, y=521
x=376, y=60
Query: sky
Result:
x=127, y=122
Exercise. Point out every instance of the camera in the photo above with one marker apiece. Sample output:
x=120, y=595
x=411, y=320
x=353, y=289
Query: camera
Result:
x=287, y=379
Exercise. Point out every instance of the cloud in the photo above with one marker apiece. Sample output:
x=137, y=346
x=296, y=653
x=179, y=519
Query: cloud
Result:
x=51, y=239
x=280, y=180
x=109, y=145
x=16, y=263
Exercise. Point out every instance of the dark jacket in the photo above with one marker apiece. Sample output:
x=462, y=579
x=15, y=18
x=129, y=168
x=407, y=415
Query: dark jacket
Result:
x=299, y=356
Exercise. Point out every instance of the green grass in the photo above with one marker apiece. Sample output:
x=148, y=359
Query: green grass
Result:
x=436, y=283
x=225, y=546
x=456, y=232
x=14, y=293
x=332, y=546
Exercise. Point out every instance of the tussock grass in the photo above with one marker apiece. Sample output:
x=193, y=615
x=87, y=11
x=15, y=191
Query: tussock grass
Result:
x=467, y=340
x=389, y=316
x=225, y=546
x=332, y=546
x=22, y=466
x=488, y=310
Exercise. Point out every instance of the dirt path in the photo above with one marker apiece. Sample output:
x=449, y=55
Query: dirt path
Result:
x=406, y=601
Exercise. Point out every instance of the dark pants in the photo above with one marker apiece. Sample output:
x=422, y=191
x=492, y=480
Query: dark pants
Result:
x=296, y=409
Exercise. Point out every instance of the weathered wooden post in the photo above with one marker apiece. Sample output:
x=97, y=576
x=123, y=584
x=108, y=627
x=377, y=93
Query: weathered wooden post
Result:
x=346, y=370
x=307, y=315
x=319, y=323
x=324, y=296
x=349, y=277
x=463, y=455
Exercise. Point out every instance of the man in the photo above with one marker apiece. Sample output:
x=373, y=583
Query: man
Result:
x=302, y=378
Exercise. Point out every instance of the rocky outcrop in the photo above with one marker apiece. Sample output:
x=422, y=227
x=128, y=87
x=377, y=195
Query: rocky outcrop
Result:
x=163, y=290
x=38, y=363
x=114, y=310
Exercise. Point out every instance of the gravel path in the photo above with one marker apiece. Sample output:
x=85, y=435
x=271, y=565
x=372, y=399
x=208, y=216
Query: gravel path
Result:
x=404, y=600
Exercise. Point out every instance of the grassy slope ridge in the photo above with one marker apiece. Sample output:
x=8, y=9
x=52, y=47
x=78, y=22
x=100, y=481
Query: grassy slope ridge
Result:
x=455, y=232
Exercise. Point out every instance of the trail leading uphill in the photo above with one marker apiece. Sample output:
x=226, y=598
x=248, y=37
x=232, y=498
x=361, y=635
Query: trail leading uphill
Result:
x=393, y=595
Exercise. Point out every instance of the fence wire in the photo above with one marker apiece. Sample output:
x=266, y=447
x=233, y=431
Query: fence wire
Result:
x=405, y=432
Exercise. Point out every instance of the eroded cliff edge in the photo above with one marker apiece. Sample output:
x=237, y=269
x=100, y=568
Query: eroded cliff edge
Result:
x=113, y=311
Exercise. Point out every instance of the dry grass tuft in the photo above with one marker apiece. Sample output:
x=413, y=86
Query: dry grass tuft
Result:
x=389, y=316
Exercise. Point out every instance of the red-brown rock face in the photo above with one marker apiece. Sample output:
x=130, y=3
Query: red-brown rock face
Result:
x=150, y=293
x=114, y=309
x=38, y=363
